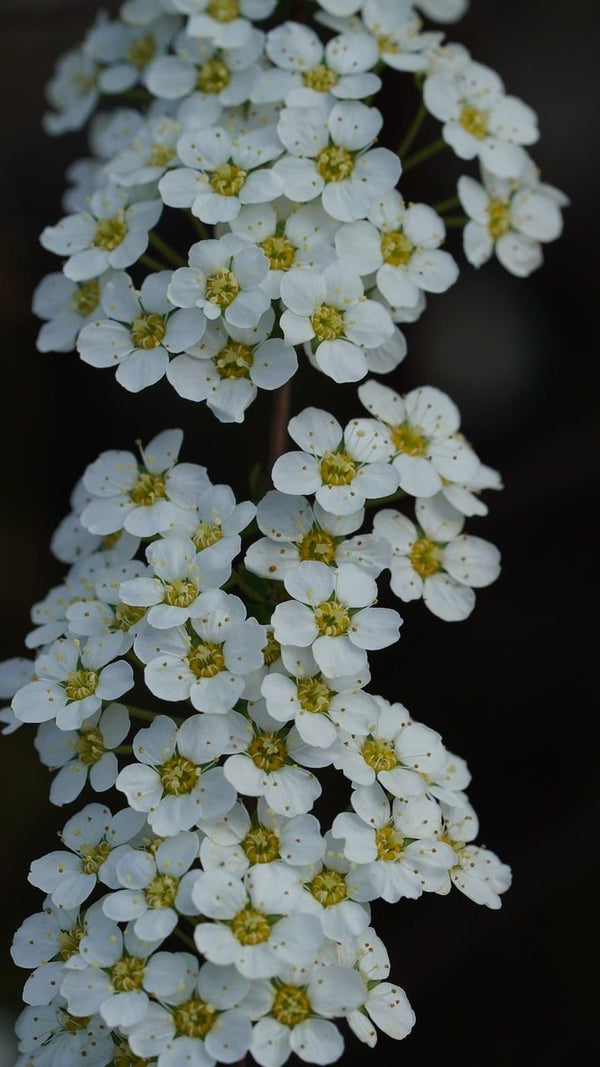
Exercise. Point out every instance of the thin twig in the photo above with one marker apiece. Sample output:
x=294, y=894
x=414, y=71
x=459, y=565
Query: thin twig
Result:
x=152, y=263
x=279, y=420
x=413, y=130
x=424, y=153
x=456, y=221
x=168, y=253
x=446, y=205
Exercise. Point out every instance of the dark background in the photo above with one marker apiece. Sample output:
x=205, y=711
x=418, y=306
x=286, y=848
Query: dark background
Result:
x=509, y=689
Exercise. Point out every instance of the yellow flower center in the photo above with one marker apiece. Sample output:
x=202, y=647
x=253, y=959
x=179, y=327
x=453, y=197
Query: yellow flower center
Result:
x=408, y=440
x=179, y=776
x=250, y=927
x=327, y=322
x=228, y=179
x=223, y=10
x=207, y=534
x=180, y=593
x=334, y=164
x=161, y=154
x=337, y=468
x=90, y=747
x=328, y=887
x=126, y=616
x=161, y=891
x=206, y=660
x=272, y=650
x=124, y=1057
x=389, y=844
x=234, y=360
x=81, y=684
x=127, y=974
x=291, y=1006
x=387, y=44
x=474, y=121
x=425, y=557
x=320, y=78
x=314, y=695
x=396, y=248
x=148, y=489
x=332, y=618
x=379, y=754
x=142, y=51
x=279, y=251
x=69, y=941
x=93, y=856
x=110, y=233
x=319, y=545
x=213, y=76
x=148, y=331
x=222, y=288
x=74, y=1024
x=498, y=218
x=86, y=297
x=261, y=845
x=267, y=751
x=195, y=1017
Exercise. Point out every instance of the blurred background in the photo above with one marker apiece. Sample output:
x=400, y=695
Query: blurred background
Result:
x=510, y=689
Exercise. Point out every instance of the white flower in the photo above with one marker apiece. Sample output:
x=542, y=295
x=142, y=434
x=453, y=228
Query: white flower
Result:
x=151, y=880
x=397, y=31
x=385, y=1004
x=175, y=781
x=328, y=155
x=14, y=674
x=307, y=71
x=467, y=497
x=72, y=92
x=50, y=614
x=401, y=245
x=72, y=681
x=224, y=278
x=97, y=841
x=510, y=219
x=328, y=308
x=343, y=468
x=46, y=942
x=331, y=611
x=221, y=173
x=479, y=120
x=216, y=522
x=180, y=574
x=226, y=22
x=111, y=233
x=299, y=1013
x=480, y=875
x=125, y=51
x=386, y=861
x=328, y=893
x=50, y=1035
x=206, y=78
x=230, y=365
x=296, y=532
x=82, y=753
x=141, y=331
x=207, y=665
x=237, y=841
x=423, y=427
x=256, y=926
x=152, y=152
x=107, y=613
x=435, y=560
x=66, y=308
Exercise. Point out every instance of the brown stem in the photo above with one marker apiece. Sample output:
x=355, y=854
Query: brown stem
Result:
x=279, y=420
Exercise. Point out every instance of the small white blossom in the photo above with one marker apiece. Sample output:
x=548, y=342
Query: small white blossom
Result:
x=149, y=899
x=225, y=22
x=86, y=752
x=66, y=308
x=206, y=78
x=49, y=1035
x=179, y=575
x=72, y=92
x=306, y=71
x=224, y=278
x=237, y=841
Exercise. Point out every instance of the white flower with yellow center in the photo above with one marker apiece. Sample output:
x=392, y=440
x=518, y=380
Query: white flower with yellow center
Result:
x=206, y=78
x=66, y=308
x=14, y=674
x=97, y=841
x=386, y=861
x=220, y=173
x=256, y=926
x=308, y=72
x=207, y=664
x=481, y=875
x=330, y=156
x=331, y=611
x=153, y=151
x=145, y=497
x=328, y=308
x=435, y=560
x=225, y=22
x=224, y=278
x=140, y=332
x=215, y=524
x=466, y=498
x=179, y=575
x=328, y=893
x=230, y=364
x=50, y=614
x=124, y=51
x=112, y=233
x=298, y=1013
x=83, y=754
x=397, y=32
x=480, y=120
x=343, y=468
x=72, y=92
x=175, y=781
x=48, y=943
x=510, y=219
x=72, y=681
x=51, y=1034
x=238, y=841
x=200, y=1021
x=150, y=897
x=427, y=448
x=400, y=246
x=107, y=613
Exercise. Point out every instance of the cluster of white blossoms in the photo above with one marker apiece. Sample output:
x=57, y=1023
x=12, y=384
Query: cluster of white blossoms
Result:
x=208, y=660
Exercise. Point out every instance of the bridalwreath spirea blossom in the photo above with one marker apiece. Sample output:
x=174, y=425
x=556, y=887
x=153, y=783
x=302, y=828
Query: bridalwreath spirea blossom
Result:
x=196, y=909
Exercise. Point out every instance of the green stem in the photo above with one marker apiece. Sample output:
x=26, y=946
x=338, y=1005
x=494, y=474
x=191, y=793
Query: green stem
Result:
x=189, y=941
x=198, y=225
x=153, y=264
x=424, y=153
x=456, y=221
x=123, y=750
x=166, y=251
x=446, y=205
x=141, y=713
x=413, y=130
x=385, y=500
x=246, y=588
